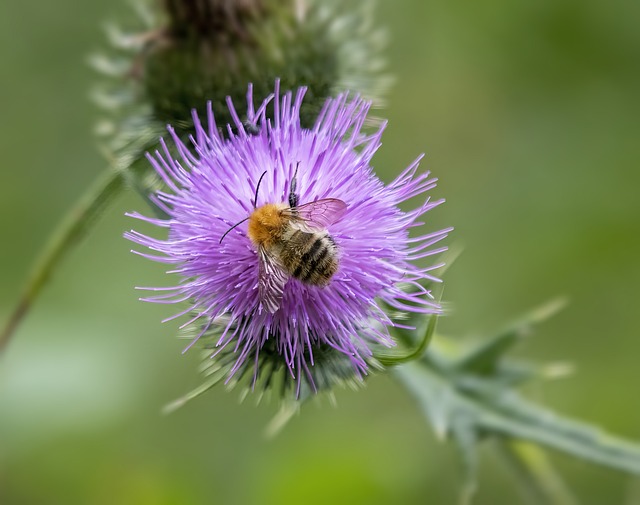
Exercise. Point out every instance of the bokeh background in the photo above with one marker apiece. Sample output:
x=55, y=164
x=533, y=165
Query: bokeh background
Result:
x=529, y=113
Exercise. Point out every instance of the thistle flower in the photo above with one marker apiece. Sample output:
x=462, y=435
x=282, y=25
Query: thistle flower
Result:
x=224, y=178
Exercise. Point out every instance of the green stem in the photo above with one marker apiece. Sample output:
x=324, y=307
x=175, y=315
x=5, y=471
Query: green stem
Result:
x=75, y=225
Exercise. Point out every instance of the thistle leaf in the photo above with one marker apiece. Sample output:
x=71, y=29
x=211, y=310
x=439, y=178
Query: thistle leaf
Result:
x=512, y=416
x=537, y=480
x=391, y=359
x=465, y=438
x=473, y=397
x=484, y=358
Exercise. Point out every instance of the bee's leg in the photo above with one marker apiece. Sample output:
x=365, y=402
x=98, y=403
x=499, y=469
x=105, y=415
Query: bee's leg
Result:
x=293, y=196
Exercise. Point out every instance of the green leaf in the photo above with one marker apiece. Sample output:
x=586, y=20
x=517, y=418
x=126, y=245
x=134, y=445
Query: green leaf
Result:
x=537, y=480
x=449, y=395
x=465, y=437
x=397, y=358
x=484, y=358
x=287, y=410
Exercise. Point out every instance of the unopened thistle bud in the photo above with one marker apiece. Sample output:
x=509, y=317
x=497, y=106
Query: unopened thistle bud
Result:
x=194, y=52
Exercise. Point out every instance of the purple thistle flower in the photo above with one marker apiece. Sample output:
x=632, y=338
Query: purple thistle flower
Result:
x=211, y=188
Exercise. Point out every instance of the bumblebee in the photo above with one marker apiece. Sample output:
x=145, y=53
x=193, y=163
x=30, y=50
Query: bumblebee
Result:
x=292, y=241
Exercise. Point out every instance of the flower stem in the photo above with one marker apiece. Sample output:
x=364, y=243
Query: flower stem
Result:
x=73, y=228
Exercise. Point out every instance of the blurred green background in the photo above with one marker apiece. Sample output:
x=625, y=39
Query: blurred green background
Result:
x=529, y=113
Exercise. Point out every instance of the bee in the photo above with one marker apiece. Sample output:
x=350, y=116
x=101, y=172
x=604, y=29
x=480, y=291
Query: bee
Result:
x=292, y=241
x=251, y=128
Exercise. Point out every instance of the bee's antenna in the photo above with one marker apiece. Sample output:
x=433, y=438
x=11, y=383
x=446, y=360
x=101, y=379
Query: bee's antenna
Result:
x=234, y=226
x=255, y=199
x=255, y=204
x=293, y=197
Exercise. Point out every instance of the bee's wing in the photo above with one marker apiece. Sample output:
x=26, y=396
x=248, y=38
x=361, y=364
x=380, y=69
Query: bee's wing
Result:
x=271, y=280
x=318, y=214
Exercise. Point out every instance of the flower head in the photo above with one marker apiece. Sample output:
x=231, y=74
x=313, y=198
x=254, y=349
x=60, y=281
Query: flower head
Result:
x=259, y=301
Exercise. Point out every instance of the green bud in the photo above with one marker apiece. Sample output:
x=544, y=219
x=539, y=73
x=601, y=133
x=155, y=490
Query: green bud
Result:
x=212, y=49
x=189, y=52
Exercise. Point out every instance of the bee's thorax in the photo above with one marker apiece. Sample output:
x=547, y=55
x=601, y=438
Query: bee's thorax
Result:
x=267, y=224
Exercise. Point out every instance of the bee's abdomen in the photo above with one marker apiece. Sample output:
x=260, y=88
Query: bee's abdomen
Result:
x=313, y=258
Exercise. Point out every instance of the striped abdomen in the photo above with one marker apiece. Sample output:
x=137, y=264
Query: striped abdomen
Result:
x=309, y=257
